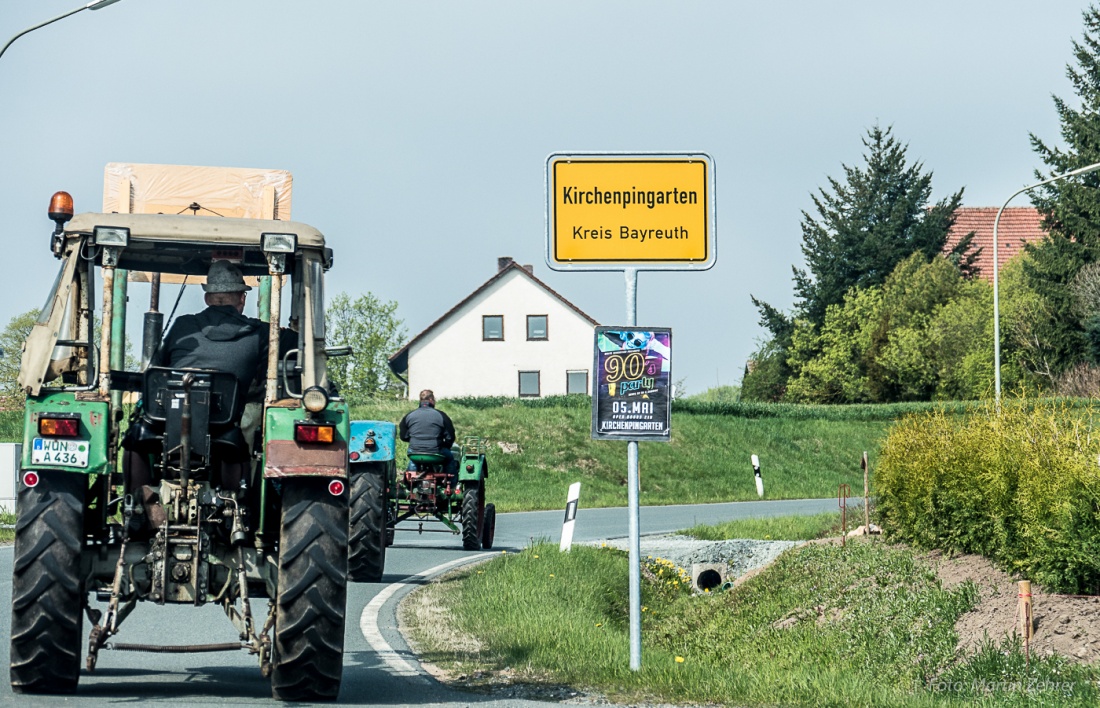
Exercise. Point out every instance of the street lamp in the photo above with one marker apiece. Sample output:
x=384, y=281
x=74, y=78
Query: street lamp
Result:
x=996, y=300
x=94, y=5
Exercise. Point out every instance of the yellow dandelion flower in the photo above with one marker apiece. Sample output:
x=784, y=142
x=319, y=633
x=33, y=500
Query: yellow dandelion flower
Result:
x=599, y=624
x=644, y=608
x=503, y=552
x=536, y=556
x=679, y=660
x=551, y=575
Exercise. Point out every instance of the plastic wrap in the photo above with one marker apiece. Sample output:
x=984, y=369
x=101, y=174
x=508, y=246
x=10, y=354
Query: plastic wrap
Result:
x=215, y=191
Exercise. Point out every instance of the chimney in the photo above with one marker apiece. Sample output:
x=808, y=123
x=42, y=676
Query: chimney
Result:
x=503, y=262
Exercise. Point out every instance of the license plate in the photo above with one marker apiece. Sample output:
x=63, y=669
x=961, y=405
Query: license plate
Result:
x=65, y=453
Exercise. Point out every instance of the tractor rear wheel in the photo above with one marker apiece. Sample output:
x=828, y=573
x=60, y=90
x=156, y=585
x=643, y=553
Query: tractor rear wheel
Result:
x=473, y=511
x=47, y=592
x=367, y=544
x=308, y=655
x=489, y=526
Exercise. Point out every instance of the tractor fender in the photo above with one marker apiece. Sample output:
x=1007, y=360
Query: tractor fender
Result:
x=473, y=468
x=372, y=441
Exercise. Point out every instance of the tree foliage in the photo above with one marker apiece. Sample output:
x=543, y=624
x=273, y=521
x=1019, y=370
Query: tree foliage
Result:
x=867, y=224
x=765, y=377
x=372, y=329
x=925, y=333
x=837, y=344
x=1070, y=208
x=11, y=344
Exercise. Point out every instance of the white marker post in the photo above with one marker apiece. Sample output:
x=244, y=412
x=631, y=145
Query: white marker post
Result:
x=759, y=479
x=570, y=517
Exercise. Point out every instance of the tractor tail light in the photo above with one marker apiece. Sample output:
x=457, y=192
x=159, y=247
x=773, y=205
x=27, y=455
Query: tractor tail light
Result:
x=469, y=468
x=58, y=427
x=314, y=433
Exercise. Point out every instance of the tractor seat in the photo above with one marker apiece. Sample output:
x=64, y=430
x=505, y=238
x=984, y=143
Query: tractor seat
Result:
x=427, y=458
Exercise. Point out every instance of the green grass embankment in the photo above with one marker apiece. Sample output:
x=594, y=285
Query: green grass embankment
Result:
x=803, y=454
x=538, y=447
x=868, y=624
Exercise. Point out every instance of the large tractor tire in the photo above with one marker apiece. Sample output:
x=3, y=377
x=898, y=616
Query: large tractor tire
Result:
x=489, y=526
x=308, y=655
x=47, y=593
x=473, y=511
x=367, y=543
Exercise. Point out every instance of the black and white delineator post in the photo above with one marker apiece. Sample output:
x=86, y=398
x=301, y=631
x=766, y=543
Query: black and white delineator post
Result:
x=570, y=517
x=756, y=472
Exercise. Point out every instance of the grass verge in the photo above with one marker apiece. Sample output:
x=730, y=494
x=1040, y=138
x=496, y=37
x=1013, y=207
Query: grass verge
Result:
x=549, y=446
x=773, y=528
x=538, y=447
x=7, y=519
x=865, y=625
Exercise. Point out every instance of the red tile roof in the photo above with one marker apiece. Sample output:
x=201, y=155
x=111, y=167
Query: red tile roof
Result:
x=1017, y=225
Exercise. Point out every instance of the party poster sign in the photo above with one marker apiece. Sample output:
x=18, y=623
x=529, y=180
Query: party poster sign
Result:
x=633, y=384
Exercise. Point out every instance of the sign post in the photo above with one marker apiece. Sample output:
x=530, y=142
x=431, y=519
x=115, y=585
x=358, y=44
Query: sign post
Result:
x=630, y=212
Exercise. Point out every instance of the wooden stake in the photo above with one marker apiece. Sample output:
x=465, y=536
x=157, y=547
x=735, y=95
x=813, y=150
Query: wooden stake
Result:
x=866, y=495
x=1024, y=611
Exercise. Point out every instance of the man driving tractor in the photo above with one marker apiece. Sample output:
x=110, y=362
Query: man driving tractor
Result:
x=221, y=338
x=429, y=431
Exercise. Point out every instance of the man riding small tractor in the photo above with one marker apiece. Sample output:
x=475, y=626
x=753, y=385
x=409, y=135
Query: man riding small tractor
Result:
x=231, y=495
x=429, y=491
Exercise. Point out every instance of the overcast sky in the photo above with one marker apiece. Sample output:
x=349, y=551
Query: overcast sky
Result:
x=417, y=132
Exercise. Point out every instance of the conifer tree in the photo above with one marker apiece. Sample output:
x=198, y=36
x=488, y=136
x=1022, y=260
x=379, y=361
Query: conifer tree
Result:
x=1070, y=208
x=868, y=224
x=864, y=226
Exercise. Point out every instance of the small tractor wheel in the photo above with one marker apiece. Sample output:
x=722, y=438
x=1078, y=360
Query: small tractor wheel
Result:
x=489, y=526
x=473, y=510
x=47, y=591
x=311, y=601
x=367, y=543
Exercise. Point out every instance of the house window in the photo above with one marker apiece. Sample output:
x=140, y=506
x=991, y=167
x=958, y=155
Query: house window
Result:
x=536, y=327
x=576, y=381
x=492, y=327
x=528, y=383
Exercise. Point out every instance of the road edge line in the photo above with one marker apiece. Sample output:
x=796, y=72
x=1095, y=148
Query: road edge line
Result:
x=393, y=659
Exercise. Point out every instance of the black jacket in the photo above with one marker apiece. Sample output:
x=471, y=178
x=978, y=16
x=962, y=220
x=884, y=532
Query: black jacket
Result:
x=219, y=338
x=427, y=430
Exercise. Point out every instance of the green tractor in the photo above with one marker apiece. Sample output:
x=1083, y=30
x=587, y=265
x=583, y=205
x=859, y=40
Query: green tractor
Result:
x=428, y=494
x=86, y=546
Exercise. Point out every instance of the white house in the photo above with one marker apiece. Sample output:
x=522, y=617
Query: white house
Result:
x=513, y=336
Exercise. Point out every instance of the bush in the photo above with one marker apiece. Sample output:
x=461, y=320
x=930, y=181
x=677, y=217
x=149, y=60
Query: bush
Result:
x=1021, y=487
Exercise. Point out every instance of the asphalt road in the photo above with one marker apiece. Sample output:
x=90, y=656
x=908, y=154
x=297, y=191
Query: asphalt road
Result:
x=379, y=670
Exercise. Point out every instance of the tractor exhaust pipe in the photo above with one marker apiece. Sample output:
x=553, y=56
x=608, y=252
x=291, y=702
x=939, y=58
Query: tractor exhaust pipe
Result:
x=185, y=432
x=153, y=325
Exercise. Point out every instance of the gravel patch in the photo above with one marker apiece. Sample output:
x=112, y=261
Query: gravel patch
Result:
x=741, y=555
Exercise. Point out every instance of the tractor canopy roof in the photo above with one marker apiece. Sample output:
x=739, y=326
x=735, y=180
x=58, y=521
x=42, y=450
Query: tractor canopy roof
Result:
x=183, y=243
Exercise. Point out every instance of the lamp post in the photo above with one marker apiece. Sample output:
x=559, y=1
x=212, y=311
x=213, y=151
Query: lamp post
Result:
x=996, y=299
x=94, y=5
